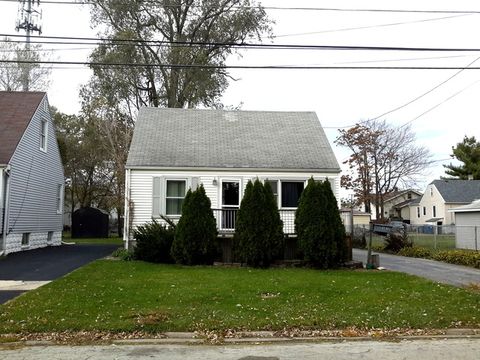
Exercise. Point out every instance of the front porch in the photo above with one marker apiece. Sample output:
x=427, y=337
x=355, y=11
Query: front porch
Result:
x=226, y=218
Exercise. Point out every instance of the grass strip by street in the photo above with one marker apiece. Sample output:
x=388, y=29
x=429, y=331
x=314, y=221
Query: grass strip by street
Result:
x=114, y=240
x=134, y=296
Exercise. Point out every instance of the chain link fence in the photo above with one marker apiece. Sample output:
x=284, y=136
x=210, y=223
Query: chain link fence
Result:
x=439, y=237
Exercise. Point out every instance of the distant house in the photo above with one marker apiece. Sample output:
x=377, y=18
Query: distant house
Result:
x=467, y=229
x=31, y=174
x=441, y=196
x=396, y=204
x=360, y=218
x=173, y=150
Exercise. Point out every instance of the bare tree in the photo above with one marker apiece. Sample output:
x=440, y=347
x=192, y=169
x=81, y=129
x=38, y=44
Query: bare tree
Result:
x=17, y=61
x=384, y=158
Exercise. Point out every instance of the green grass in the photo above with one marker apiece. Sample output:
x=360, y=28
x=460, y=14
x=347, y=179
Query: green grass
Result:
x=114, y=240
x=443, y=242
x=129, y=296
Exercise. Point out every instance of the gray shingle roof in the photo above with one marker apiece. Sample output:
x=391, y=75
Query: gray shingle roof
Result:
x=458, y=191
x=230, y=139
x=16, y=111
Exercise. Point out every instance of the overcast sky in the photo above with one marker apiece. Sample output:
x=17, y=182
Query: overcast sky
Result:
x=340, y=98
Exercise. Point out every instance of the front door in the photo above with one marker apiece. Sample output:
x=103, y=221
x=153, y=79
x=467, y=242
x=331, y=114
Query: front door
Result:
x=230, y=203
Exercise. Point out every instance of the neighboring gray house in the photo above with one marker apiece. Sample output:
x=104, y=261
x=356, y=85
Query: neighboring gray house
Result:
x=441, y=196
x=173, y=150
x=31, y=174
x=467, y=229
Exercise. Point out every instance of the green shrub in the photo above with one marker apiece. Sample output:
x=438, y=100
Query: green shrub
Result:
x=397, y=240
x=258, y=229
x=153, y=242
x=378, y=248
x=196, y=232
x=321, y=235
x=334, y=220
x=417, y=252
x=123, y=254
x=459, y=257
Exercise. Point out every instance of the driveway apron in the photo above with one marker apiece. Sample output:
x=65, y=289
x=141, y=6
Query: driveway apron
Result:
x=23, y=271
x=434, y=270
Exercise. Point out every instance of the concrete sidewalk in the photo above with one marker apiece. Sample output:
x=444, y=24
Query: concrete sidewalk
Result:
x=443, y=349
x=434, y=270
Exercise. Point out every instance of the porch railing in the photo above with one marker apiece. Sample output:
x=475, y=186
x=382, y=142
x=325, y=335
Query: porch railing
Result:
x=226, y=220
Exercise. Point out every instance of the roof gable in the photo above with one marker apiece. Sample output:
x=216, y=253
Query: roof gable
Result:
x=182, y=138
x=458, y=191
x=16, y=111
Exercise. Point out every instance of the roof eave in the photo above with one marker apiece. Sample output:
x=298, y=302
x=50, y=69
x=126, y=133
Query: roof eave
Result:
x=237, y=169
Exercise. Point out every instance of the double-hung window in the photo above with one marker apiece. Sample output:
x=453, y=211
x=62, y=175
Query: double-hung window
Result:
x=174, y=196
x=291, y=191
x=43, y=135
x=286, y=193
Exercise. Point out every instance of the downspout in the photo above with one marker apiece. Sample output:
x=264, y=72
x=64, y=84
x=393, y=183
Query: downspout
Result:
x=126, y=216
x=5, y=213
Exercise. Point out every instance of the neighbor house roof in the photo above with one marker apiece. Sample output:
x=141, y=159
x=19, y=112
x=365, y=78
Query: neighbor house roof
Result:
x=16, y=111
x=182, y=138
x=473, y=207
x=458, y=191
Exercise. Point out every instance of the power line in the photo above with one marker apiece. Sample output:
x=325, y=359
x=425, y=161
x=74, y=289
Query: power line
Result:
x=427, y=92
x=260, y=67
x=102, y=41
x=287, y=8
x=369, y=26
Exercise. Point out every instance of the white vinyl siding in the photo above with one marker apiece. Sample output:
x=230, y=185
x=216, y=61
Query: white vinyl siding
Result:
x=148, y=200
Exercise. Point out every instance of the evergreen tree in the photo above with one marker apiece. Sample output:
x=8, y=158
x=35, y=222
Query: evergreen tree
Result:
x=258, y=230
x=468, y=152
x=196, y=231
x=335, y=221
x=320, y=233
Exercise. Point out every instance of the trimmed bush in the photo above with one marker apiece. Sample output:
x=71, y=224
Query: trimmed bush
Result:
x=153, y=242
x=320, y=232
x=417, y=252
x=459, y=257
x=258, y=229
x=196, y=231
x=397, y=240
x=123, y=254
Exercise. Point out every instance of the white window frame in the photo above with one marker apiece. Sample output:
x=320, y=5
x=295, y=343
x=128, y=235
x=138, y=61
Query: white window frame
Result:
x=60, y=190
x=240, y=192
x=280, y=198
x=43, y=135
x=164, y=197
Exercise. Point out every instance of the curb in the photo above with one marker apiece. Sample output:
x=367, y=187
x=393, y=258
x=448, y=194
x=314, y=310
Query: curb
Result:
x=263, y=337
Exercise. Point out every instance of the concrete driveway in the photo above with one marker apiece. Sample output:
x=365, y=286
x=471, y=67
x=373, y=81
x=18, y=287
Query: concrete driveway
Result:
x=434, y=270
x=23, y=271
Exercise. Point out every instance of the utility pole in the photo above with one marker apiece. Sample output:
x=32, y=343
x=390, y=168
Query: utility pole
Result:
x=28, y=20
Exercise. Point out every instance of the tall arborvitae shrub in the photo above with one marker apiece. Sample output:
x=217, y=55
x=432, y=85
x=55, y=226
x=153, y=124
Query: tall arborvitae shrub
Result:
x=334, y=220
x=317, y=228
x=258, y=229
x=196, y=231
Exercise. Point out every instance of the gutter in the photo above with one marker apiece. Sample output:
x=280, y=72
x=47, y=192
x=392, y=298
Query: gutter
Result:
x=5, y=214
x=126, y=214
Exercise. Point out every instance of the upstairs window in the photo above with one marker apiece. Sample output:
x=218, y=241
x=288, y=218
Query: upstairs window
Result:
x=59, y=198
x=43, y=135
x=418, y=211
x=434, y=210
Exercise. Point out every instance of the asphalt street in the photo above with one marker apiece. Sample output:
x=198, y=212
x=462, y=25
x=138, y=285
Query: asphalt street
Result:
x=434, y=270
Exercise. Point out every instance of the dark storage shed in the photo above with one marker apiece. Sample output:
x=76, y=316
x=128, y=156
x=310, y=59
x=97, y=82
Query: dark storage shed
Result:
x=89, y=222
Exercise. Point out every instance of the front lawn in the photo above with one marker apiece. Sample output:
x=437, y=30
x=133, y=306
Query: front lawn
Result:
x=129, y=296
